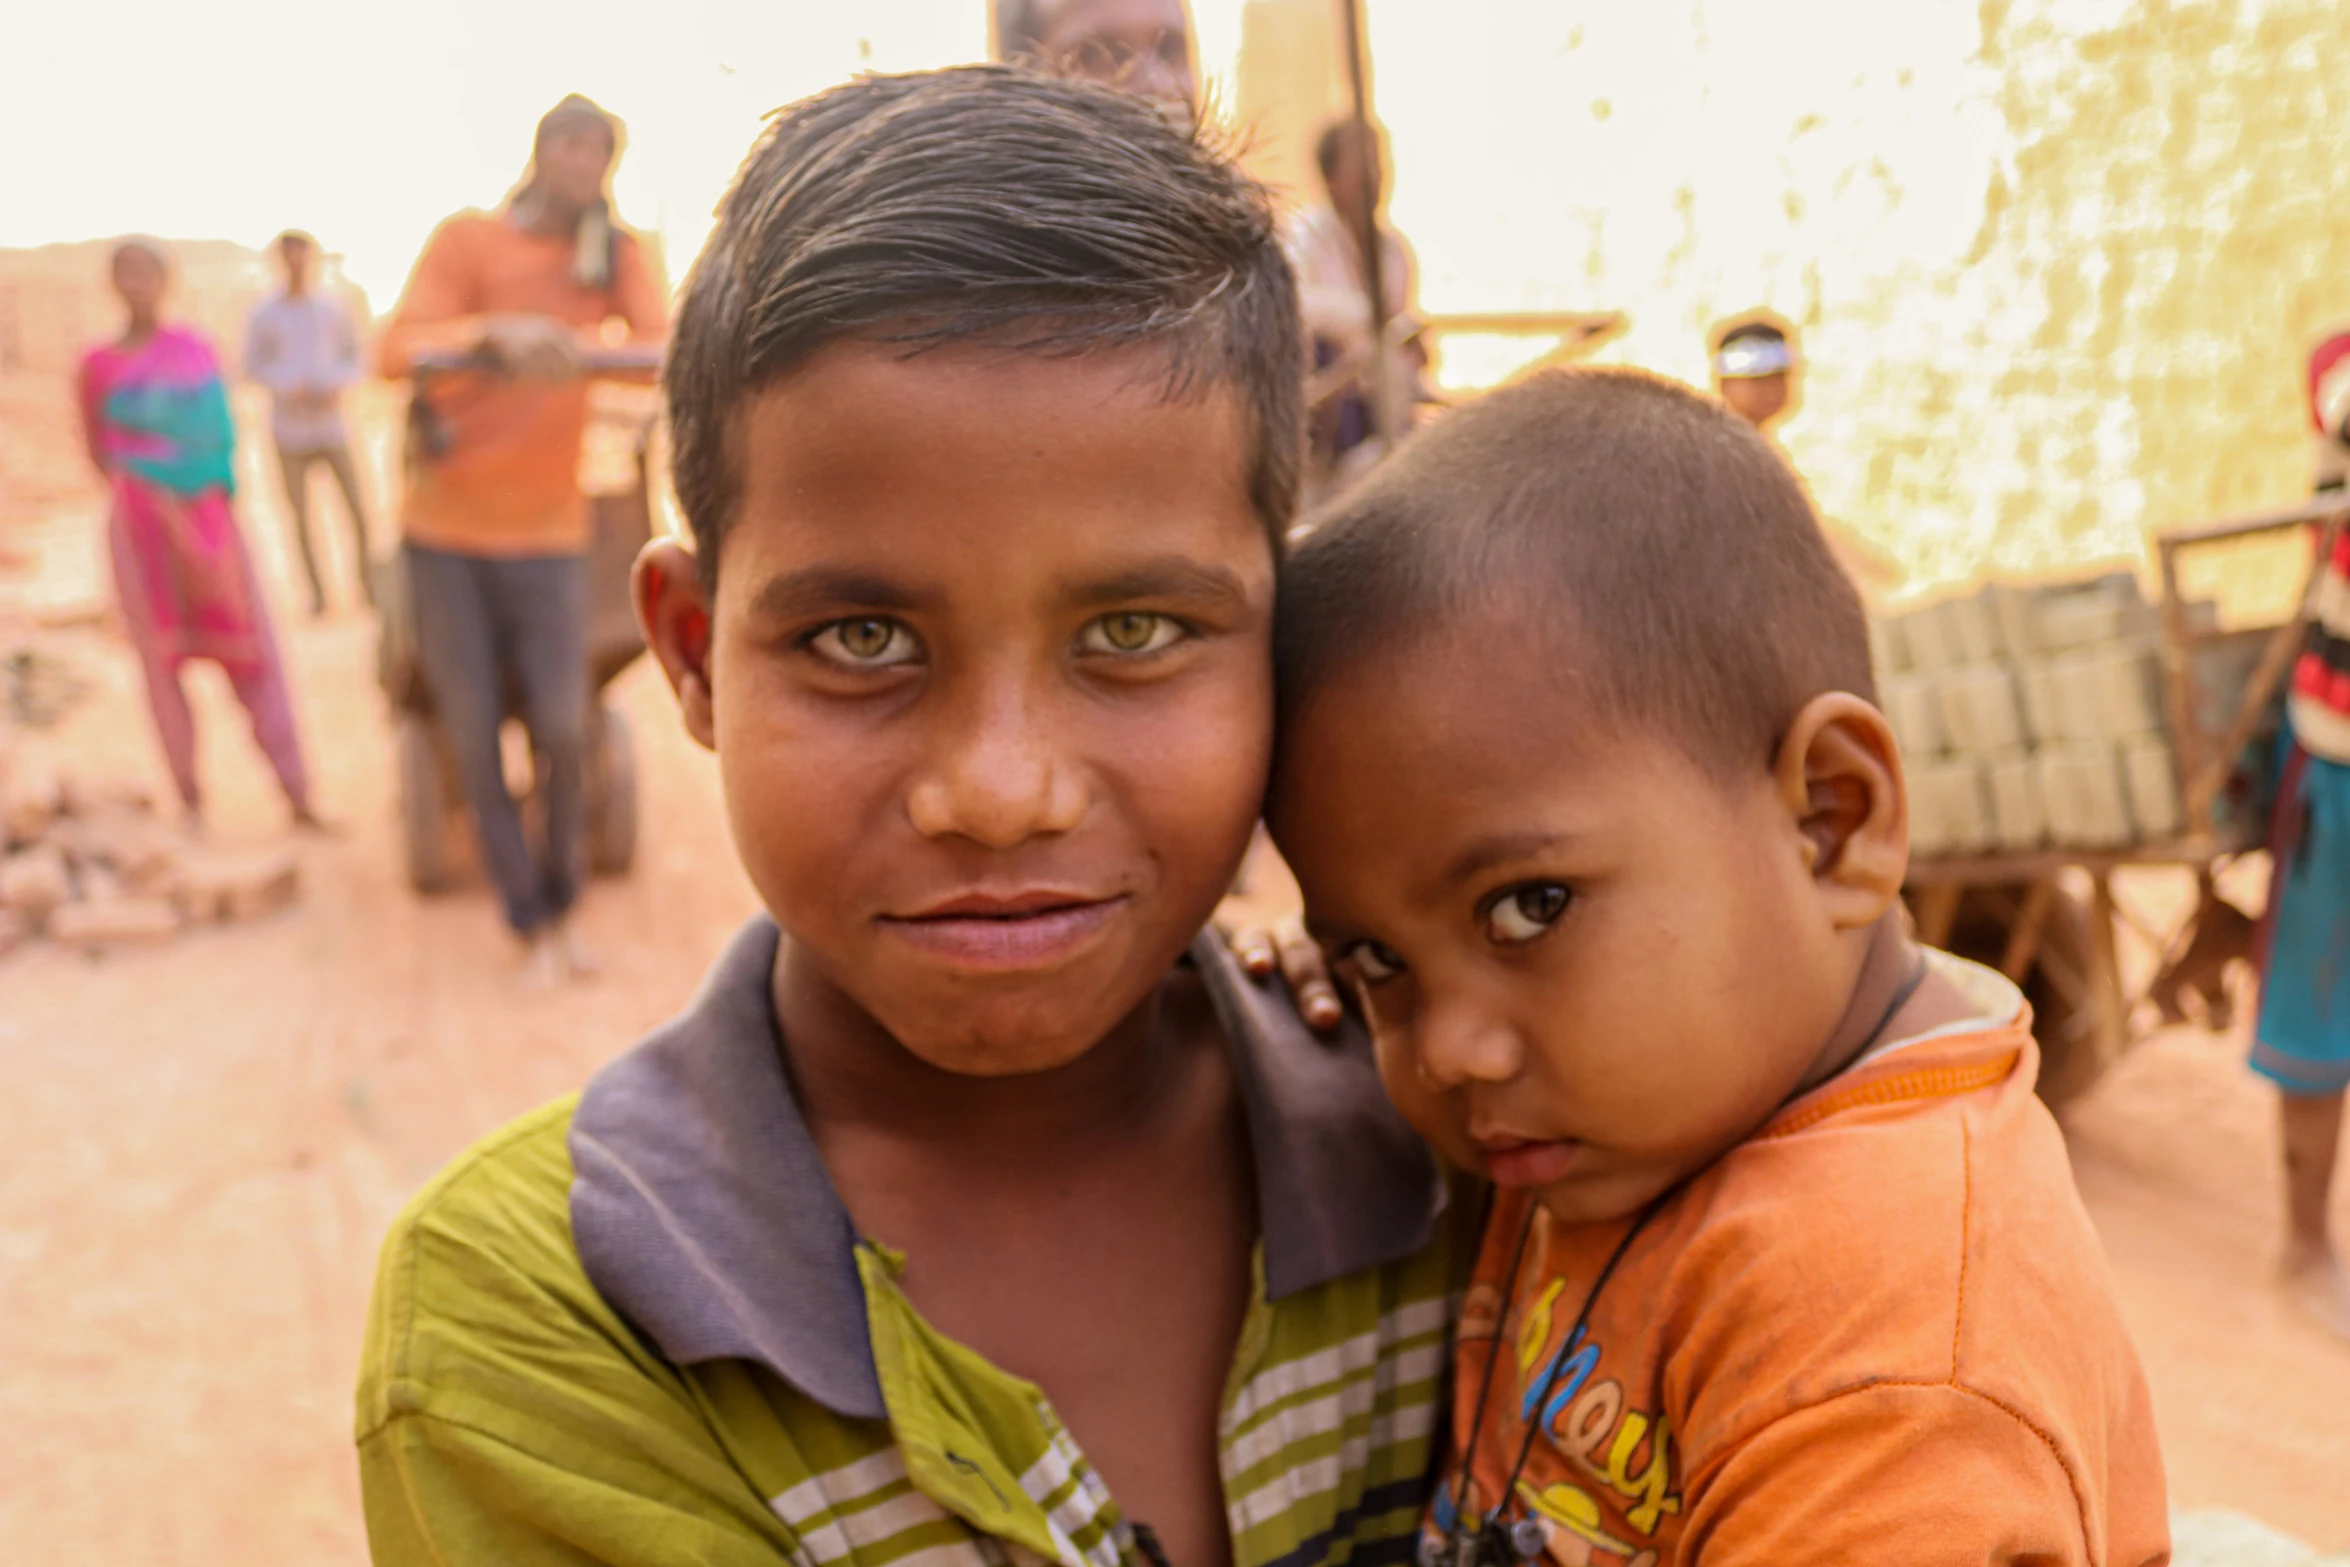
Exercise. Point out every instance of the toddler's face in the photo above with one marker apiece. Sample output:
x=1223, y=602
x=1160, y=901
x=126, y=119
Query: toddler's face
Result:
x=1590, y=965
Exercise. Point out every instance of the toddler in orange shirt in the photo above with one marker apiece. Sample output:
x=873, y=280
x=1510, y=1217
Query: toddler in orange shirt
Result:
x=1579, y=771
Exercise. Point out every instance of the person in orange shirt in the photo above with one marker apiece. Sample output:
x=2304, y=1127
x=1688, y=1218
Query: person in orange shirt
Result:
x=494, y=523
x=1579, y=771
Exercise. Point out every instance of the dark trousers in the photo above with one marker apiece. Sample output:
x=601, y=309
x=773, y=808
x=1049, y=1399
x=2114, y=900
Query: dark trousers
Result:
x=480, y=622
x=294, y=468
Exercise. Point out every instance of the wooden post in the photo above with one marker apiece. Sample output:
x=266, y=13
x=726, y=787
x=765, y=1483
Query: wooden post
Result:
x=1374, y=254
x=1936, y=908
x=2023, y=937
x=2105, y=980
x=2276, y=664
x=2188, y=743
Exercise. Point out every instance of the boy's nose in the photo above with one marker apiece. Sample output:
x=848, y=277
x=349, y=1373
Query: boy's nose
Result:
x=1462, y=1041
x=997, y=775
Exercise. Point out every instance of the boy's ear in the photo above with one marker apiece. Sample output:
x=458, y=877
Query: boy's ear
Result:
x=673, y=609
x=1839, y=775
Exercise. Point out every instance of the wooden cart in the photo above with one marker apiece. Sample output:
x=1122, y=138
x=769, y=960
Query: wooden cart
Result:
x=2049, y=920
x=438, y=847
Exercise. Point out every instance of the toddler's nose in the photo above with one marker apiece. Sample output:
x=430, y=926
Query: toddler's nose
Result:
x=1461, y=1041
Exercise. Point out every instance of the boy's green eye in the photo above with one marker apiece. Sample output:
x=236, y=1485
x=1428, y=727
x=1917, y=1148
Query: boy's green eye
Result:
x=1130, y=632
x=866, y=642
x=1372, y=961
x=1523, y=913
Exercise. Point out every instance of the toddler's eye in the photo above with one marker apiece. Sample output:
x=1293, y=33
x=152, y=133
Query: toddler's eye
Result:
x=867, y=642
x=1523, y=913
x=1129, y=632
x=1372, y=961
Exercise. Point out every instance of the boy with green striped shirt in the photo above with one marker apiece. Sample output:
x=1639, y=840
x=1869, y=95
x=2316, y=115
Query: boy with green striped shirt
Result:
x=977, y=1211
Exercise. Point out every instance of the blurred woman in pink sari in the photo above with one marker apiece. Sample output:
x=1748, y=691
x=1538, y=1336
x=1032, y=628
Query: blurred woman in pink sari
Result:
x=156, y=418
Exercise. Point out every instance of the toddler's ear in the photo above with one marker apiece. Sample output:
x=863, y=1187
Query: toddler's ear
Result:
x=1839, y=775
x=674, y=611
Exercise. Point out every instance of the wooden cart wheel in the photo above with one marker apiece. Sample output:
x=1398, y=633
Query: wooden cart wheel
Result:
x=612, y=796
x=2057, y=982
x=427, y=804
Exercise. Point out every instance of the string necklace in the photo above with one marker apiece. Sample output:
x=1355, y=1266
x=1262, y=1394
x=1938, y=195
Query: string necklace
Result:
x=1488, y=1541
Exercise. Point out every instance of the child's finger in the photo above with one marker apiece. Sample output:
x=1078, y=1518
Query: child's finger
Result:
x=1252, y=945
x=1307, y=974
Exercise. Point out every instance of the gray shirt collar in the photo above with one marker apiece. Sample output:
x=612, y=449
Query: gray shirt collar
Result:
x=703, y=1213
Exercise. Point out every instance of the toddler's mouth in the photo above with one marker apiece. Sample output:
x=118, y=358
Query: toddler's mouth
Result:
x=1523, y=1161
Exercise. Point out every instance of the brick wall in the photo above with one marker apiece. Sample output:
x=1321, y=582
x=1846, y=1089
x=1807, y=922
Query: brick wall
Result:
x=2056, y=262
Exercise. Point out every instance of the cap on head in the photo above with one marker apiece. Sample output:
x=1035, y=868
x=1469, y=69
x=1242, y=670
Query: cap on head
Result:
x=2329, y=385
x=1751, y=350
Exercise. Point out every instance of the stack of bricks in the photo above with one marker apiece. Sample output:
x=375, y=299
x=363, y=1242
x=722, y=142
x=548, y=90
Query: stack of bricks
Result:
x=2032, y=718
x=89, y=865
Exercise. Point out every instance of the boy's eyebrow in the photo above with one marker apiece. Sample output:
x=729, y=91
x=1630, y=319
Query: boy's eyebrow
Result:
x=813, y=589
x=1166, y=576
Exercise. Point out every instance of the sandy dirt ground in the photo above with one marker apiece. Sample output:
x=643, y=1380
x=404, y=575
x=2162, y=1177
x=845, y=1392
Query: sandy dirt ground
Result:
x=201, y=1145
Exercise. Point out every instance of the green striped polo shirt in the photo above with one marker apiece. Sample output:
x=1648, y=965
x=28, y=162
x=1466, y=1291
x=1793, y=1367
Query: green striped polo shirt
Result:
x=638, y=1327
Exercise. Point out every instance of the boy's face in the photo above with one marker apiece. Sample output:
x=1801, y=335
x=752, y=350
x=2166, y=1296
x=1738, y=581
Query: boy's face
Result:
x=139, y=278
x=297, y=260
x=1590, y=966
x=1757, y=399
x=1143, y=46
x=573, y=160
x=990, y=687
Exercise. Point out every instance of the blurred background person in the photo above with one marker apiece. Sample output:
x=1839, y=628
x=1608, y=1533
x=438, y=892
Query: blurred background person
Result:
x=1329, y=244
x=1144, y=46
x=156, y=421
x=494, y=524
x=2329, y=412
x=2300, y=1041
x=1754, y=371
x=304, y=346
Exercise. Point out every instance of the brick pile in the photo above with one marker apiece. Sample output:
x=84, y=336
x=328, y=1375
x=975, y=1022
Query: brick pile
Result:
x=88, y=864
x=2036, y=717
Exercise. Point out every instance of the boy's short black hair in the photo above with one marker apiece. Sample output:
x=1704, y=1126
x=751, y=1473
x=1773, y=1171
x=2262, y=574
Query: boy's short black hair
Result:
x=987, y=202
x=1760, y=331
x=1678, y=559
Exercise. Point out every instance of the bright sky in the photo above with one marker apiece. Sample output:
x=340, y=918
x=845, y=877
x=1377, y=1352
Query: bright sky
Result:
x=234, y=119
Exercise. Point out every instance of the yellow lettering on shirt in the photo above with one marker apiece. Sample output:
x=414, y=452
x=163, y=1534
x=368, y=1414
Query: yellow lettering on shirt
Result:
x=1652, y=1487
x=1584, y=1432
x=1534, y=1332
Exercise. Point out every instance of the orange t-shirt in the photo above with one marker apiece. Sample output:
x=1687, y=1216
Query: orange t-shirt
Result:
x=1879, y=1330
x=507, y=481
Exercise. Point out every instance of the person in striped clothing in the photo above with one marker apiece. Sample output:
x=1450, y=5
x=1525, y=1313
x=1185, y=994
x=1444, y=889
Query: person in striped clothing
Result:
x=2301, y=1040
x=979, y=1211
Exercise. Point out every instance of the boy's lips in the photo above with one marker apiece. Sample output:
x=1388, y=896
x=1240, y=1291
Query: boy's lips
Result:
x=1006, y=932
x=1521, y=1161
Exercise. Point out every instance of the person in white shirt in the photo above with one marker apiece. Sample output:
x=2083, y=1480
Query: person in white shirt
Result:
x=1325, y=244
x=304, y=347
